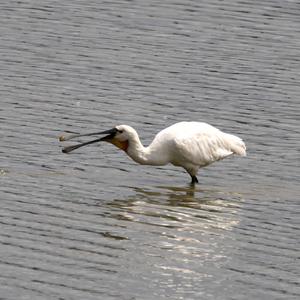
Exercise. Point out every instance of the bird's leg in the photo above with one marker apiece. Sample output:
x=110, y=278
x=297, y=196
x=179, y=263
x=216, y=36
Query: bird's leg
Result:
x=192, y=173
x=194, y=180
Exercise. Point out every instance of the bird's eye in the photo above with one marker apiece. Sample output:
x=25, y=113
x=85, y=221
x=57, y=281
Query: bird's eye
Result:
x=120, y=131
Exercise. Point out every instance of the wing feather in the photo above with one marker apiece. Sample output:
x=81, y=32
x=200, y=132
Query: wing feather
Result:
x=198, y=144
x=201, y=149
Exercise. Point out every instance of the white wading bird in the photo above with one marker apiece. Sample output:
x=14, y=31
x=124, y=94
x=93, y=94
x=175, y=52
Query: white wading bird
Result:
x=191, y=145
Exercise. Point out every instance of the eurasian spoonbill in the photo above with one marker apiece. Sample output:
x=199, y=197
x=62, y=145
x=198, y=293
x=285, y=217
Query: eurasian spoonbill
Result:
x=190, y=145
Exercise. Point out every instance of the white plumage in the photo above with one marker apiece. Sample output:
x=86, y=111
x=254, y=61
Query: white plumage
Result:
x=190, y=145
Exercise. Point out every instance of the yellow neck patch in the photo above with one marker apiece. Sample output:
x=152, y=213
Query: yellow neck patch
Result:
x=121, y=145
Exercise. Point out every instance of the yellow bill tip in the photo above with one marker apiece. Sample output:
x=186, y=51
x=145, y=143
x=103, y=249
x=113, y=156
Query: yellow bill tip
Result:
x=62, y=138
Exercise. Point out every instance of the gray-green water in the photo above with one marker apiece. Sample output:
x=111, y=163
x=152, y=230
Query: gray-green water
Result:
x=93, y=224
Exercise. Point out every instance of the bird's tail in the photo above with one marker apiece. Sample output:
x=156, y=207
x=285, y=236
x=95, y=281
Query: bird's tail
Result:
x=237, y=146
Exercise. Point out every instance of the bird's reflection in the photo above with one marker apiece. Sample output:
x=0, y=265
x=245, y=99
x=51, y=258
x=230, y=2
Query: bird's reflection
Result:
x=178, y=229
x=170, y=206
x=174, y=195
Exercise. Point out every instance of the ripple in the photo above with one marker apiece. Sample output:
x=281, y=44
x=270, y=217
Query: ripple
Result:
x=94, y=224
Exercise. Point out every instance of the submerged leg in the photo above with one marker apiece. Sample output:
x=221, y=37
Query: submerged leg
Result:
x=193, y=172
x=194, y=179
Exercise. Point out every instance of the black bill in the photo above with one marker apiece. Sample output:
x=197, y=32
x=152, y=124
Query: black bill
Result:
x=109, y=135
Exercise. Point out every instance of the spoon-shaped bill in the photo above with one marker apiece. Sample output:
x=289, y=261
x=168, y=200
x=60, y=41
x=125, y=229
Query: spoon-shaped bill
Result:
x=109, y=136
x=68, y=149
x=64, y=138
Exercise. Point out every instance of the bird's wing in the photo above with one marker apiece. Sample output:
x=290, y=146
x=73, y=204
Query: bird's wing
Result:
x=202, y=148
x=196, y=144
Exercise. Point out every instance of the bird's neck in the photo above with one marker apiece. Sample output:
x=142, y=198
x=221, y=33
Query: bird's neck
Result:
x=144, y=155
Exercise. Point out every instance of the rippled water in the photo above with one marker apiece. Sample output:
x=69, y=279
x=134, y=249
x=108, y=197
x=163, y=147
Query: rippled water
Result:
x=93, y=224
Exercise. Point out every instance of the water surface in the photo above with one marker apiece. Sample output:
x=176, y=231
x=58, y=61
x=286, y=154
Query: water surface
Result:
x=93, y=224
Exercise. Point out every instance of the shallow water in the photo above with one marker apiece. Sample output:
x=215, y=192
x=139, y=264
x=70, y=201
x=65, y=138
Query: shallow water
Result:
x=93, y=224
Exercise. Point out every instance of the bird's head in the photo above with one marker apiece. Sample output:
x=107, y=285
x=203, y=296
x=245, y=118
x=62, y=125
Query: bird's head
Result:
x=120, y=136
